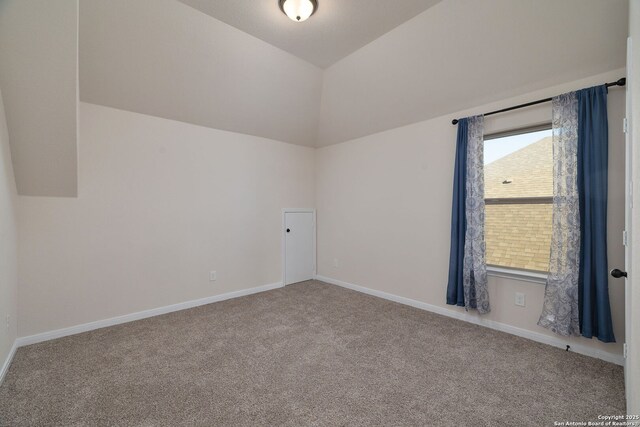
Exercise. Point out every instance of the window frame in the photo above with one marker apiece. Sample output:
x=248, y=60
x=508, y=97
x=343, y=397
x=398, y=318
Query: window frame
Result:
x=510, y=272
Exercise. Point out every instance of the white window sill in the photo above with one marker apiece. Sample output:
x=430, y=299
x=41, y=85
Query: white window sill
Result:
x=512, y=273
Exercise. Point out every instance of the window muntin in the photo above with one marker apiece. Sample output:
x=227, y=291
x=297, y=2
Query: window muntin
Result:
x=518, y=172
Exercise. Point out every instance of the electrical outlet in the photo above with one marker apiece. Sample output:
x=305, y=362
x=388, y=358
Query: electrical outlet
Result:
x=213, y=276
x=520, y=299
x=335, y=263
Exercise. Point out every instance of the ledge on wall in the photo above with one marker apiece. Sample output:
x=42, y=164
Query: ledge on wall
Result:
x=510, y=273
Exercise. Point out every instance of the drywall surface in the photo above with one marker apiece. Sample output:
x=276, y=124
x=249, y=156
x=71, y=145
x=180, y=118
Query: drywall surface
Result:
x=338, y=27
x=462, y=53
x=384, y=211
x=39, y=82
x=166, y=59
x=8, y=245
x=161, y=203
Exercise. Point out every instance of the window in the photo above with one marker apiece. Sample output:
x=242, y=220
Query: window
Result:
x=518, y=179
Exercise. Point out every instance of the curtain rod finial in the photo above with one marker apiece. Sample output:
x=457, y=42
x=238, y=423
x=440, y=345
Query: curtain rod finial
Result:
x=622, y=81
x=454, y=121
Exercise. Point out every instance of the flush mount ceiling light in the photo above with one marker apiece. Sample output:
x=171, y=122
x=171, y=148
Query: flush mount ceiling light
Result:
x=298, y=10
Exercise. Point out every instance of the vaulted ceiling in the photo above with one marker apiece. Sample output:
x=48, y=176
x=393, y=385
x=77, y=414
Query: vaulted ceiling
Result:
x=355, y=68
x=163, y=58
x=465, y=53
x=39, y=84
x=337, y=29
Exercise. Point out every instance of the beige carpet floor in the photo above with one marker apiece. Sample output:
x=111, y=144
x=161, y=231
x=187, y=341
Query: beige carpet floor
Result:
x=307, y=354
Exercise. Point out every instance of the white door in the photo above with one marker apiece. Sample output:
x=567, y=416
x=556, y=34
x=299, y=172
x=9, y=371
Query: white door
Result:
x=632, y=337
x=627, y=237
x=299, y=246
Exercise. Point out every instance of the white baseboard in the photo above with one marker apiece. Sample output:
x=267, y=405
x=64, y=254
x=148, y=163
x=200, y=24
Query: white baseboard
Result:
x=524, y=333
x=59, y=333
x=535, y=336
x=7, y=362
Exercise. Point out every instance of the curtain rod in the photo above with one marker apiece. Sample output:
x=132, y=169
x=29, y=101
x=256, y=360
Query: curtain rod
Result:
x=619, y=82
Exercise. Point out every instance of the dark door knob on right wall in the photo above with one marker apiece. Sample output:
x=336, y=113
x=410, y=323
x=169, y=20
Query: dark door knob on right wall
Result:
x=618, y=273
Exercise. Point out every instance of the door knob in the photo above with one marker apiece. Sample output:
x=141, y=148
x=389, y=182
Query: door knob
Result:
x=618, y=273
x=288, y=230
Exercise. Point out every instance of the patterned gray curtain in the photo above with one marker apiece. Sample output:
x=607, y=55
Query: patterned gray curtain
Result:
x=560, y=310
x=476, y=293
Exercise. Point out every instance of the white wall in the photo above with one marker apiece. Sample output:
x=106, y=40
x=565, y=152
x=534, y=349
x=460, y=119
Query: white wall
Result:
x=39, y=81
x=384, y=211
x=633, y=360
x=462, y=53
x=8, y=244
x=160, y=204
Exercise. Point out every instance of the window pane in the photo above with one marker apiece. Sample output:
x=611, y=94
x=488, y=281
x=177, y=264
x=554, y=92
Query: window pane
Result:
x=519, y=166
x=518, y=235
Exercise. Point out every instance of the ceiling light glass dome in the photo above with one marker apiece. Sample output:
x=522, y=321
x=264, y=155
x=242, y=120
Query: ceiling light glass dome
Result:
x=298, y=10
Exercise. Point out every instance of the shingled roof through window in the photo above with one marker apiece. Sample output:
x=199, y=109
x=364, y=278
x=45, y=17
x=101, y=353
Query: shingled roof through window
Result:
x=519, y=235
